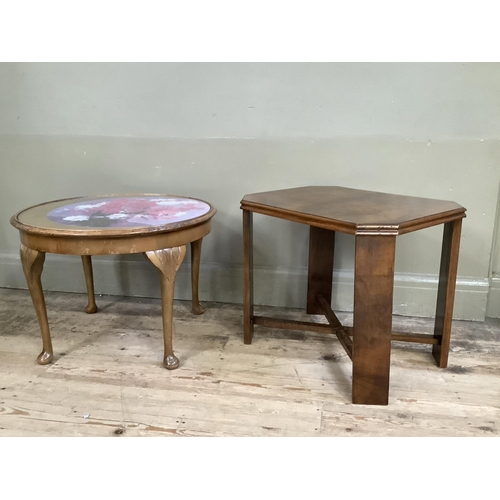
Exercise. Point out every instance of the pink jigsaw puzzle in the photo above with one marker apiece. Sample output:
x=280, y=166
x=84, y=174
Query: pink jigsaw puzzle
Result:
x=129, y=211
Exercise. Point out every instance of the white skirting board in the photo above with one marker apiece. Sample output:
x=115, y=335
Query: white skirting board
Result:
x=133, y=275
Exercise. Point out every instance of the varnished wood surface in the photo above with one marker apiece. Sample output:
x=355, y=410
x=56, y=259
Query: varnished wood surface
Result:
x=353, y=211
x=33, y=220
x=372, y=323
x=446, y=291
x=338, y=329
x=195, y=276
x=91, y=307
x=287, y=383
x=247, y=276
x=311, y=326
x=291, y=324
x=168, y=262
x=319, y=268
x=376, y=219
x=164, y=245
x=90, y=245
x=32, y=262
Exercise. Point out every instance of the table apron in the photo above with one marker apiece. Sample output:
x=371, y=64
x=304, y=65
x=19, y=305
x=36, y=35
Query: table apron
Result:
x=86, y=245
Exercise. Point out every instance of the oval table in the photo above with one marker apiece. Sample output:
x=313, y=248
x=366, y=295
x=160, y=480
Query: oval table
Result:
x=157, y=225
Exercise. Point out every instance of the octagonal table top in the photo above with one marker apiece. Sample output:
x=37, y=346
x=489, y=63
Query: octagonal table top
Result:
x=353, y=211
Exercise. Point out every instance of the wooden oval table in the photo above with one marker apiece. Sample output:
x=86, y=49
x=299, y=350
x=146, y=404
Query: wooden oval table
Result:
x=157, y=225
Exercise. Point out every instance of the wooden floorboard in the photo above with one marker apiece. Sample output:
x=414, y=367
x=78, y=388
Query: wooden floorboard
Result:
x=107, y=378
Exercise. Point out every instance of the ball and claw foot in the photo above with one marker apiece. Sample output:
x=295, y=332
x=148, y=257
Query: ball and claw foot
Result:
x=171, y=362
x=91, y=309
x=44, y=358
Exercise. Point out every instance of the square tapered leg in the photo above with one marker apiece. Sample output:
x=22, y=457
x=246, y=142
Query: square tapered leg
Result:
x=372, y=327
x=446, y=291
x=247, y=276
x=320, y=268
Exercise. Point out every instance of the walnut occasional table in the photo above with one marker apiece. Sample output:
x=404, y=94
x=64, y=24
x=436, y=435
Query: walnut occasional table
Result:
x=375, y=219
x=157, y=225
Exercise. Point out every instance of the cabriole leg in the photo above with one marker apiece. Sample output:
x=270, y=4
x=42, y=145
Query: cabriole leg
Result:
x=89, y=280
x=168, y=262
x=32, y=262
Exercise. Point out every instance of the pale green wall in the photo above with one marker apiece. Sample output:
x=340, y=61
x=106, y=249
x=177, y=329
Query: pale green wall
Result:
x=219, y=131
x=493, y=307
x=495, y=260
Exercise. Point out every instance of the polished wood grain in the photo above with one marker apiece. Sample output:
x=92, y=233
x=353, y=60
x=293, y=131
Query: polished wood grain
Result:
x=446, y=291
x=195, y=276
x=290, y=324
x=310, y=326
x=32, y=262
x=372, y=324
x=376, y=219
x=353, y=211
x=320, y=268
x=122, y=244
x=337, y=328
x=168, y=262
x=247, y=276
x=91, y=307
x=40, y=235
